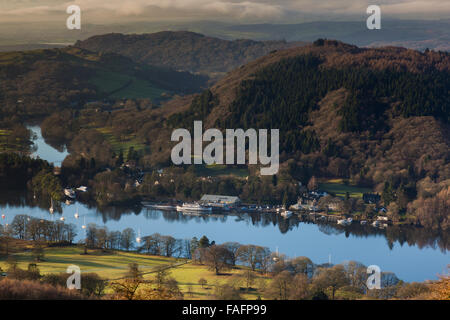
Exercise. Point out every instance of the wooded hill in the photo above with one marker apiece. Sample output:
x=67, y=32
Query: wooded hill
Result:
x=377, y=116
x=39, y=82
x=182, y=50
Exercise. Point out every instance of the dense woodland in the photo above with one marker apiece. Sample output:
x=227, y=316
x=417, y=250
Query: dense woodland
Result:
x=183, y=50
x=385, y=127
x=376, y=117
x=37, y=83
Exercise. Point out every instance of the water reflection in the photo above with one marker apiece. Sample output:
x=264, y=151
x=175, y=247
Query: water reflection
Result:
x=398, y=248
x=47, y=150
x=412, y=236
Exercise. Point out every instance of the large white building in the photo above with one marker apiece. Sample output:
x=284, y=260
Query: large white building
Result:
x=220, y=200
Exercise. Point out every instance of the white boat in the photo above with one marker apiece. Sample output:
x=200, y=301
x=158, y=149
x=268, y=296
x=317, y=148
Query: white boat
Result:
x=69, y=193
x=286, y=214
x=376, y=224
x=343, y=222
x=82, y=189
x=193, y=207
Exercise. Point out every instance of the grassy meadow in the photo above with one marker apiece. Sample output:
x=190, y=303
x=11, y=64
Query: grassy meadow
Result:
x=122, y=86
x=339, y=188
x=113, y=265
x=220, y=170
x=123, y=144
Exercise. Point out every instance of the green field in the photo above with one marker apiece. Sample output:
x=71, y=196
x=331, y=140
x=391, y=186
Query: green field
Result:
x=108, y=266
x=123, y=145
x=220, y=170
x=6, y=145
x=337, y=187
x=121, y=86
x=113, y=266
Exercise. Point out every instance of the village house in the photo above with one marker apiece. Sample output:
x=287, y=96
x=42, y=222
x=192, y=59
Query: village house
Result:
x=371, y=198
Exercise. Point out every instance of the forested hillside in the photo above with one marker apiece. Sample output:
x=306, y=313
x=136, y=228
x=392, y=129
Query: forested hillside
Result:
x=379, y=117
x=376, y=117
x=37, y=83
x=183, y=50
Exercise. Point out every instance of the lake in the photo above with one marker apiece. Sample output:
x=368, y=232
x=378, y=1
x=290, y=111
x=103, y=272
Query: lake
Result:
x=413, y=254
x=46, y=151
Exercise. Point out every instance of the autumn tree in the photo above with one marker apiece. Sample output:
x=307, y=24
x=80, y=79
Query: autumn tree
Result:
x=127, y=287
x=218, y=258
x=331, y=278
x=280, y=286
x=127, y=238
x=313, y=185
x=254, y=256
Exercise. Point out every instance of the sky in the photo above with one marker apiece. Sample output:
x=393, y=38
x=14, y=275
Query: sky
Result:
x=241, y=11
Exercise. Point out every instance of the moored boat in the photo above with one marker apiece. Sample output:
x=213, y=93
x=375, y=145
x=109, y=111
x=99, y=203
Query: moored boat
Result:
x=69, y=193
x=286, y=214
x=194, y=207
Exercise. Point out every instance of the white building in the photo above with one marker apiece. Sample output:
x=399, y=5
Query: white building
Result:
x=229, y=201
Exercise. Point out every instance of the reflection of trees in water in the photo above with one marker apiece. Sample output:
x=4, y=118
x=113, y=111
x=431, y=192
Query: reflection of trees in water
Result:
x=330, y=230
x=152, y=214
x=24, y=199
x=395, y=235
x=116, y=213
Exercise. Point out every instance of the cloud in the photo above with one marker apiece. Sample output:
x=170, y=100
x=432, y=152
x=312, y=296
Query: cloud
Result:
x=244, y=10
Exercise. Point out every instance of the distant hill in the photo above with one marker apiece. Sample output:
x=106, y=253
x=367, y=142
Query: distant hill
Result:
x=184, y=51
x=413, y=34
x=365, y=114
x=30, y=46
x=378, y=117
x=38, y=82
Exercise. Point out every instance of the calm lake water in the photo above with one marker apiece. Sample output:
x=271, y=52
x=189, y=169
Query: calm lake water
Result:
x=413, y=254
x=46, y=151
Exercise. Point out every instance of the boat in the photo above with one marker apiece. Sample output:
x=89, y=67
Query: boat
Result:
x=194, y=207
x=82, y=189
x=343, y=222
x=363, y=222
x=376, y=224
x=62, y=219
x=286, y=214
x=69, y=193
